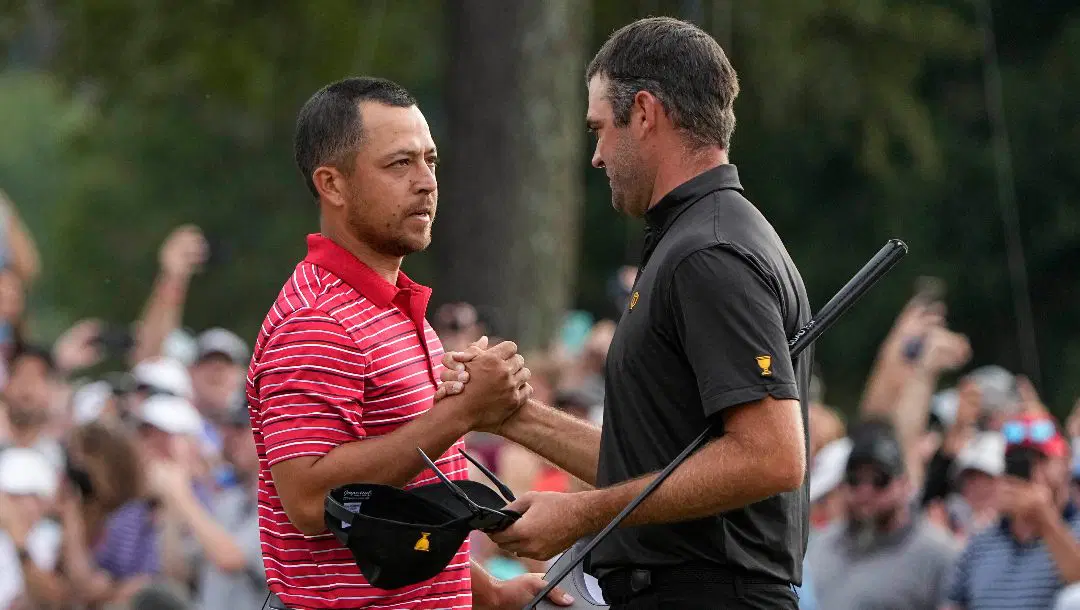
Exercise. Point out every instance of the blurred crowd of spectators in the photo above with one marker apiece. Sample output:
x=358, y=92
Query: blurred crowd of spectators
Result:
x=136, y=488
x=133, y=488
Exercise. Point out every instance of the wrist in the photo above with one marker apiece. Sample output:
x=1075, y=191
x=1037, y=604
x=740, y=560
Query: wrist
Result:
x=181, y=498
x=173, y=280
x=455, y=414
x=926, y=371
x=593, y=510
x=1045, y=518
x=515, y=426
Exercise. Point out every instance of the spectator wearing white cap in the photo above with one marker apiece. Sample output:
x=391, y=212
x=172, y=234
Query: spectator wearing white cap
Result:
x=29, y=543
x=165, y=424
x=171, y=429
x=975, y=473
x=225, y=560
x=1033, y=552
x=93, y=401
x=162, y=376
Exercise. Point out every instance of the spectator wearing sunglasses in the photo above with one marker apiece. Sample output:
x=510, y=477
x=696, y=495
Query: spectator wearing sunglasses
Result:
x=1033, y=552
x=881, y=553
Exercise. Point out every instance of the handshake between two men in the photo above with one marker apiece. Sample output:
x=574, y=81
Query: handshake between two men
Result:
x=492, y=385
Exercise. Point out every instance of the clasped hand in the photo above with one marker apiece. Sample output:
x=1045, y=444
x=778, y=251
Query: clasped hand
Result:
x=497, y=378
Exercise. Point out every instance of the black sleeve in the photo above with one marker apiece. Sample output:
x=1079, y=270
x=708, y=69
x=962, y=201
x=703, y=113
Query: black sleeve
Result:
x=731, y=329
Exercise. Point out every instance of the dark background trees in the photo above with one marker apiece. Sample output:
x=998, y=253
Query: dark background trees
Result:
x=859, y=120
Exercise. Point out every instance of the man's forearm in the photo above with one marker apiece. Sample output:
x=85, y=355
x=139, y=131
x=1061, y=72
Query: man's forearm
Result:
x=162, y=314
x=910, y=417
x=173, y=558
x=1063, y=547
x=391, y=459
x=723, y=475
x=564, y=440
x=217, y=542
x=25, y=259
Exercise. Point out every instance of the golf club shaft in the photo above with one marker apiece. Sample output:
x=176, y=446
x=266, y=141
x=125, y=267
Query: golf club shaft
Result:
x=886, y=258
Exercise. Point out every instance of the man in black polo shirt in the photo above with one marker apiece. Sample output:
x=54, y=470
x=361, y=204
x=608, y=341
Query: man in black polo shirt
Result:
x=703, y=338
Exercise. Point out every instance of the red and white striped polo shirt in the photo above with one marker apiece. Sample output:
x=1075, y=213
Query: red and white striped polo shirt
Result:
x=342, y=355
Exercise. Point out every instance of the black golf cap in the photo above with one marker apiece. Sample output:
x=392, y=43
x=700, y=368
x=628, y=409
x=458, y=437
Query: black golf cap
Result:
x=874, y=443
x=402, y=537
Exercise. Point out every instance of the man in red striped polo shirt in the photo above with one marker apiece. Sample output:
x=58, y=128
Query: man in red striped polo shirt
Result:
x=345, y=368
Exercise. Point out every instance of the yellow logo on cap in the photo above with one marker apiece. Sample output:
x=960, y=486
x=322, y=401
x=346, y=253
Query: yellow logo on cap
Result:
x=763, y=363
x=423, y=544
x=633, y=299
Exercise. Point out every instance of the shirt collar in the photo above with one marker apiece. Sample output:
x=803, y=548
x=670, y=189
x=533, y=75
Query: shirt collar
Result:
x=661, y=215
x=325, y=253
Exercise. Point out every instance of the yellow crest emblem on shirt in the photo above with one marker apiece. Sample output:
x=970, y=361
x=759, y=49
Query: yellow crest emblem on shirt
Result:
x=633, y=299
x=764, y=364
x=423, y=544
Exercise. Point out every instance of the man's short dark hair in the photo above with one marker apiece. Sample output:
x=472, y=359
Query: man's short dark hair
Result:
x=680, y=64
x=329, y=128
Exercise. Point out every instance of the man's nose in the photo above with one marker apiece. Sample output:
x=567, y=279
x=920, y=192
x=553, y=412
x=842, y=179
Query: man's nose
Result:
x=426, y=183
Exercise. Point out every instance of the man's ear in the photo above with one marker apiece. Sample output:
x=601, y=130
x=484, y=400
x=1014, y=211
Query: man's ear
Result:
x=646, y=113
x=330, y=184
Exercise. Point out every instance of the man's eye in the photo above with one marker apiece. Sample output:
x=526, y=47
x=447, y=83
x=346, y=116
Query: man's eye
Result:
x=402, y=162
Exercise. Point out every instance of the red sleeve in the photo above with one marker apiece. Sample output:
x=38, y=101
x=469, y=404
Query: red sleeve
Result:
x=310, y=386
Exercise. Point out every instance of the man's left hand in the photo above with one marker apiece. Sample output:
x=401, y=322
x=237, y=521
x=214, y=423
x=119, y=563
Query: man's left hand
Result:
x=1026, y=501
x=550, y=523
x=515, y=593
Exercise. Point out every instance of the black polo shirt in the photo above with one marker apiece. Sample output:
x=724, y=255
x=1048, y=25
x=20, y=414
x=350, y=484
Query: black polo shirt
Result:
x=705, y=329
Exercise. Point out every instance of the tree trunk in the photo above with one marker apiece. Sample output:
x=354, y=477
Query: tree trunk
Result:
x=512, y=185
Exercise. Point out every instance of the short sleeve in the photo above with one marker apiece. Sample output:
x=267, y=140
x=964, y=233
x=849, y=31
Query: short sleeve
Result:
x=309, y=381
x=731, y=328
x=958, y=580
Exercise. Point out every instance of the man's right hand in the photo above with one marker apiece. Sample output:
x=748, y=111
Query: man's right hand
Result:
x=498, y=385
x=944, y=350
x=184, y=251
x=453, y=377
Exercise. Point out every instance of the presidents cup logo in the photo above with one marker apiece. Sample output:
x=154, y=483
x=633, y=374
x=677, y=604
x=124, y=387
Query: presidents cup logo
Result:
x=633, y=300
x=764, y=364
x=423, y=544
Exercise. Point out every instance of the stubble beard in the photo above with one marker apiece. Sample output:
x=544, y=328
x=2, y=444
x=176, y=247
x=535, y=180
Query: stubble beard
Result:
x=628, y=188
x=389, y=239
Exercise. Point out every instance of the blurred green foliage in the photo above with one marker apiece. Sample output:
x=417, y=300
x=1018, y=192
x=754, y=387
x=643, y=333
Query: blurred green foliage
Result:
x=859, y=120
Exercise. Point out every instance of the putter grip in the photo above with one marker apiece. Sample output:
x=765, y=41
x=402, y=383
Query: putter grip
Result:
x=872, y=271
